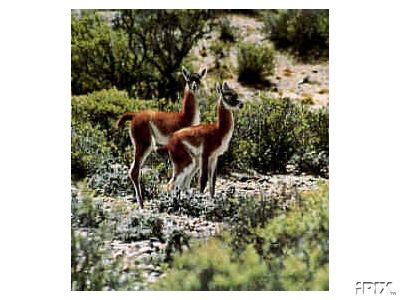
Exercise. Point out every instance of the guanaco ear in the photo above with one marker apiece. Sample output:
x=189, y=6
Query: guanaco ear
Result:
x=218, y=88
x=225, y=86
x=203, y=73
x=185, y=73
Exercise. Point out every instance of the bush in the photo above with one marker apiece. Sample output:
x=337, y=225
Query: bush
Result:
x=102, y=108
x=254, y=61
x=290, y=253
x=211, y=267
x=226, y=31
x=304, y=32
x=296, y=244
x=273, y=133
x=111, y=178
x=89, y=148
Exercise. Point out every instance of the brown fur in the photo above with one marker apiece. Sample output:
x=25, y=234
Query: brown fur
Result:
x=141, y=134
x=210, y=136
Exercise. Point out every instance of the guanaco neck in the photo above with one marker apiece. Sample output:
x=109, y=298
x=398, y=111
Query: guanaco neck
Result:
x=190, y=107
x=225, y=121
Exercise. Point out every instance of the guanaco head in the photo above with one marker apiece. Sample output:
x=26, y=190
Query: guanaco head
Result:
x=193, y=79
x=229, y=96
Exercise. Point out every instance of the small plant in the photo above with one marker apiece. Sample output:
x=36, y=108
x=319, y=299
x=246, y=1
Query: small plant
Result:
x=254, y=61
x=323, y=91
x=89, y=149
x=307, y=99
x=226, y=31
x=137, y=226
x=177, y=240
x=287, y=72
x=111, y=178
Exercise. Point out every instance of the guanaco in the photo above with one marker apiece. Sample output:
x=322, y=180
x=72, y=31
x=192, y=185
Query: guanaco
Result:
x=198, y=147
x=164, y=124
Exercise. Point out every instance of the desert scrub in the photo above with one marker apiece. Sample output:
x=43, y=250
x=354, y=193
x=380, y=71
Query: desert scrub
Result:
x=294, y=254
x=123, y=220
x=227, y=32
x=304, y=32
x=254, y=62
x=212, y=267
x=106, y=54
x=111, y=178
x=104, y=107
x=272, y=133
x=296, y=245
x=89, y=148
x=95, y=137
x=93, y=268
x=92, y=265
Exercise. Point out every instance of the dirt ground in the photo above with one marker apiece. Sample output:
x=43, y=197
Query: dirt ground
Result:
x=307, y=83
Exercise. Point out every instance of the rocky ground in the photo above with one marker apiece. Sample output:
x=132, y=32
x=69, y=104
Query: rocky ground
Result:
x=147, y=254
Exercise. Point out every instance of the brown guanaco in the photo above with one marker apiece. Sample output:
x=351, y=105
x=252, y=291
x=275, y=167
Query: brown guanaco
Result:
x=198, y=147
x=163, y=125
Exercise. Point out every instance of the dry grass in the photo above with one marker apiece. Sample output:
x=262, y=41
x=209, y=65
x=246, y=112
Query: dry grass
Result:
x=323, y=91
x=307, y=99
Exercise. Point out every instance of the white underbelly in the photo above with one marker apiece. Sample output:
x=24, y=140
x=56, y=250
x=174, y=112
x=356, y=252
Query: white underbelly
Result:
x=157, y=136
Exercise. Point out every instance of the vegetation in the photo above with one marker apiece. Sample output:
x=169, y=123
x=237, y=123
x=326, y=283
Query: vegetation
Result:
x=269, y=135
x=89, y=148
x=305, y=32
x=227, y=33
x=140, y=53
x=255, y=61
x=93, y=267
x=290, y=252
x=275, y=239
x=274, y=133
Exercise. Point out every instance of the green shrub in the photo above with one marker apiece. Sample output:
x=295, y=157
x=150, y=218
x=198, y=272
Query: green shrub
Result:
x=305, y=32
x=210, y=266
x=86, y=212
x=89, y=148
x=296, y=245
x=100, y=56
x=254, y=61
x=226, y=31
x=118, y=53
x=137, y=226
x=103, y=107
x=273, y=133
x=94, y=269
x=294, y=253
x=111, y=178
